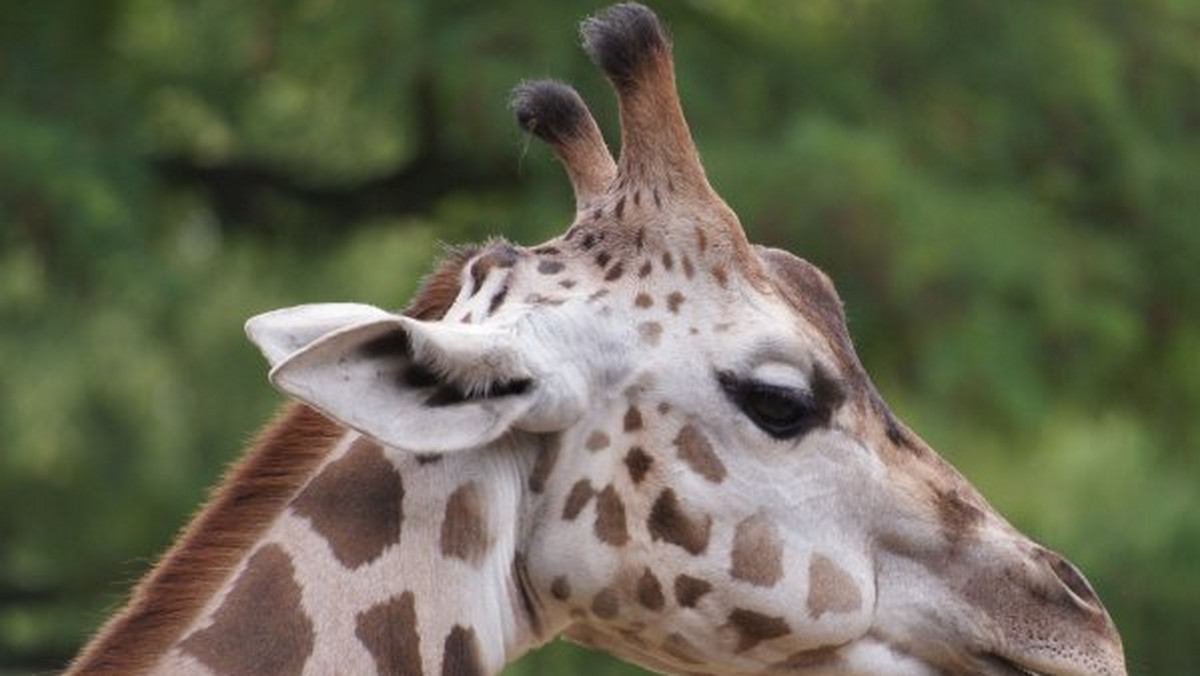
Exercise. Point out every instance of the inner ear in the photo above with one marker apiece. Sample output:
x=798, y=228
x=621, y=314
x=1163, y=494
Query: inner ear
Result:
x=400, y=381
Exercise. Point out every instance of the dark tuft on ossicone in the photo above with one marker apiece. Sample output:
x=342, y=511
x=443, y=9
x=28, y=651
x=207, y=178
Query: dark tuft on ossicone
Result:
x=623, y=39
x=549, y=109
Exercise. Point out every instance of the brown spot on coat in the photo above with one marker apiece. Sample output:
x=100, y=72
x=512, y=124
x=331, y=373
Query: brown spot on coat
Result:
x=643, y=301
x=619, y=210
x=464, y=528
x=544, y=465
x=355, y=503
x=638, y=463
x=614, y=273
x=667, y=260
x=754, y=627
x=605, y=604
x=674, y=301
x=757, y=552
x=597, y=441
x=460, y=654
x=689, y=270
x=550, y=267
x=260, y=628
x=633, y=419
x=645, y=270
x=689, y=590
x=721, y=276
x=610, y=517
x=669, y=523
x=651, y=333
x=695, y=450
x=649, y=591
x=830, y=589
x=389, y=632
x=577, y=499
x=560, y=588
x=701, y=239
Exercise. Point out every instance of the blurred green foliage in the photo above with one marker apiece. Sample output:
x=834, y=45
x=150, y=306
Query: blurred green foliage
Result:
x=1006, y=194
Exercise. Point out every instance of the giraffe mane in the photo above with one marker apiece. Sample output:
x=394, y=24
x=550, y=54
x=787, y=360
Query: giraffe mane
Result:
x=250, y=496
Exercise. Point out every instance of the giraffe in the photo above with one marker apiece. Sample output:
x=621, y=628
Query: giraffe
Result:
x=647, y=435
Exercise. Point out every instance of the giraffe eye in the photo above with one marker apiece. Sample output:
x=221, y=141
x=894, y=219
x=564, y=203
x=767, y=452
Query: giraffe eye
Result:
x=780, y=411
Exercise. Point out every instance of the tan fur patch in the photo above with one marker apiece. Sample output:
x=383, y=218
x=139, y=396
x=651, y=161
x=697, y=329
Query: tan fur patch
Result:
x=831, y=589
x=560, y=588
x=649, y=591
x=638, y=463
x=597, y=441
x=610, y=517
x=633, y=419
x=389, y=632
x=355, y=503
x=460, y=654
x=651, y=333
x=464, y=528
x=605, y=604
x=260, y=628
x=674, y=300
x=689, y=590
x=754, y=627
x=697, y=452
x=581, y=493
x=757, y=552
x=669, y=523
x=544, y=465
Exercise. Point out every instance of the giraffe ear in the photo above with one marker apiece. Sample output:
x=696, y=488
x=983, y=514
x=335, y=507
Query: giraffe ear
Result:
x=421, y=386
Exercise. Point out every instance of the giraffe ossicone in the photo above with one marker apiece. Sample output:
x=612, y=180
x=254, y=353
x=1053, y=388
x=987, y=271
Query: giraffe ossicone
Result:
x=647, y=435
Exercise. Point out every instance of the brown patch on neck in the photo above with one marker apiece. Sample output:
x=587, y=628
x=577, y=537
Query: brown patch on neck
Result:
x=241, y=641
x=170, y=597
x=356, y=504
x=610, y=517
x=460, y=654
x=464, y=528
x=389, y=632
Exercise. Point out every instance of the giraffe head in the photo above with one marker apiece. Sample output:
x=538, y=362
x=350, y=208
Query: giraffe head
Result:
x=711, y=482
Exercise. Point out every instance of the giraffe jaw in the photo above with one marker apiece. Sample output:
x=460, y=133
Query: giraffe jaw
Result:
x=1009, y=667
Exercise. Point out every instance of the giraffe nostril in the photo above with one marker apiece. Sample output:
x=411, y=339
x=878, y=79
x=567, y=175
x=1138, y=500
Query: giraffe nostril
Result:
x=1071, y=578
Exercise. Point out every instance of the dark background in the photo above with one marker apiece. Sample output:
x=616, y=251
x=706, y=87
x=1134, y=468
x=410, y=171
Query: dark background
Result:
x=1007, y=195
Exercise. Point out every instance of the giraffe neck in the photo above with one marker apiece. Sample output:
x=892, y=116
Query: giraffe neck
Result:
x=379, y=560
